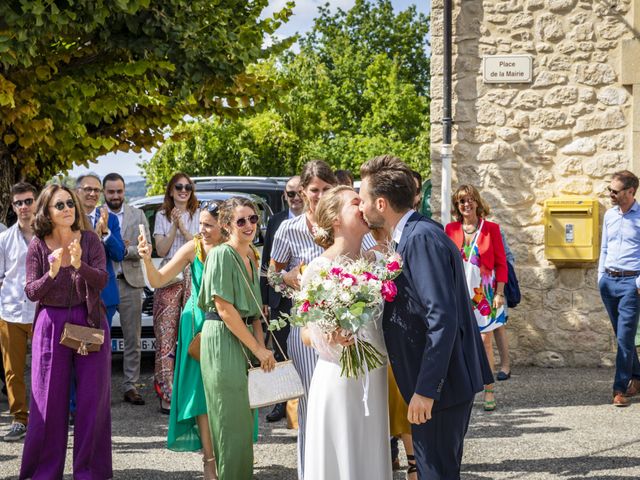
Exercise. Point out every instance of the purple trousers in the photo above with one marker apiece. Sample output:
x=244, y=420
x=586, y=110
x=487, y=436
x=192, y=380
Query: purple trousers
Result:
x=52, y=366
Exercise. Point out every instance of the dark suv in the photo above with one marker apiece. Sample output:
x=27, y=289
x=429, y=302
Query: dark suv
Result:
x=269, y=188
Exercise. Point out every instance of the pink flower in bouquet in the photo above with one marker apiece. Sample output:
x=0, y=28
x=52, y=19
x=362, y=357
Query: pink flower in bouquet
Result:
x=337, y=271
x=369, y=276
x=305, y=306
x=393, y=266
x=389, y=290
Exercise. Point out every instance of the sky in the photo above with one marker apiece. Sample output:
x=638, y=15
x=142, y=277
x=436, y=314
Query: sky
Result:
x=303, y=14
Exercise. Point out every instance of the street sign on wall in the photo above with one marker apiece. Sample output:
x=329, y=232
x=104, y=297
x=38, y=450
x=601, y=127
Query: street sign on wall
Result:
x=507, y=69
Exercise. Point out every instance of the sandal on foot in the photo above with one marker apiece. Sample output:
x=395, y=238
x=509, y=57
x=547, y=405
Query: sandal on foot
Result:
x=489, y=405
x=412, y=467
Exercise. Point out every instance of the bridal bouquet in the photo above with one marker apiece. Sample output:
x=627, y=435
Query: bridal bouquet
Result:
x=341, y=299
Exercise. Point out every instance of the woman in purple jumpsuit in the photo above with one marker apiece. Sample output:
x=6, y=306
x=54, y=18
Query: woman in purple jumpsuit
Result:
x=66, y=270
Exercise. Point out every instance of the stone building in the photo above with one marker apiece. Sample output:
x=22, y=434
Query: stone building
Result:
x=564, y=133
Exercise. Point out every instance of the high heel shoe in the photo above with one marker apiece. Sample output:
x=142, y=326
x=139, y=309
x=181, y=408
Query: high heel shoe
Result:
x=164, y=410
x=209, y=464
x=412, y=468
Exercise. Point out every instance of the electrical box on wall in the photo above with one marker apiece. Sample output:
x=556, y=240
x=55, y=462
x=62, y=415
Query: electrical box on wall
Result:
x=572, y=230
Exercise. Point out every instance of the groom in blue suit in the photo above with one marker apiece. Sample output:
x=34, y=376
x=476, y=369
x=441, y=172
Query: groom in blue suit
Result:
x=431, y=335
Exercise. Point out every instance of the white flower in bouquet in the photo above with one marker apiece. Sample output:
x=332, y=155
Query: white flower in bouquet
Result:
x=344, y=297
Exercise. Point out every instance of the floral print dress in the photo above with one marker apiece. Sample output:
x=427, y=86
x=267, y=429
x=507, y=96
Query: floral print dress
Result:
x=481, y=284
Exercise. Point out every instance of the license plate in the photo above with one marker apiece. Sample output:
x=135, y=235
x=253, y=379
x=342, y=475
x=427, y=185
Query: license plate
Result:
x=146, y=344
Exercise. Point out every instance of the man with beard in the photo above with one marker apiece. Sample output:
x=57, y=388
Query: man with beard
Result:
x=619, y=280
x=432, y=338
x=130, y=281
x=270, y=298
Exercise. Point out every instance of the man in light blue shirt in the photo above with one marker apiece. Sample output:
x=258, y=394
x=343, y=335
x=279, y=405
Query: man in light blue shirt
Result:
x=619, y=280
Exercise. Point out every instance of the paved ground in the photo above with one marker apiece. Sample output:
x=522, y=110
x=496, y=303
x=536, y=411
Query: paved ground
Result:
x=550, y=424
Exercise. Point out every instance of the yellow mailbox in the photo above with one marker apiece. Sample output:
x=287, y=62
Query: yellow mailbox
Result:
x=571, y=229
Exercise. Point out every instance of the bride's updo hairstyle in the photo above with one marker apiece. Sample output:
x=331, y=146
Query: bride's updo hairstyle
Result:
x=327, y=211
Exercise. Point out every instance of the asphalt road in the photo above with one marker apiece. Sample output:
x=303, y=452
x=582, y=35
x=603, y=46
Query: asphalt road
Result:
x=550, y=424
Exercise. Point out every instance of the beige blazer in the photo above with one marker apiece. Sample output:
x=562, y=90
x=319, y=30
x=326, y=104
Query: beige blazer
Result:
x=131, y=267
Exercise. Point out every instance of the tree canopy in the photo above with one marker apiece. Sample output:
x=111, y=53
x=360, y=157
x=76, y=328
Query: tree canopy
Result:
x=81, y=78
x=357, y=87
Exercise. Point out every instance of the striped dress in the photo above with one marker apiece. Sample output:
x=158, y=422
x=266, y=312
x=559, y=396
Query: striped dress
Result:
x=292, y=245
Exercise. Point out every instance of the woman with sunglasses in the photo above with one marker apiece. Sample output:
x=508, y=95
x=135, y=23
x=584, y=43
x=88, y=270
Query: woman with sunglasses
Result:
x=229, y=295
x=66, y=270
x=176, y=223
x=485, y=266
x=188, y=423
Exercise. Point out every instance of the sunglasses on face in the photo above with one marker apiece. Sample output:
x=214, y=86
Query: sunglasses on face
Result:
x=28, y=202
x=616, y=192
x=291, y=194
x=464, y=201
x=183, y=186
x=211, y=207
x=241, y=222
x=60, y=205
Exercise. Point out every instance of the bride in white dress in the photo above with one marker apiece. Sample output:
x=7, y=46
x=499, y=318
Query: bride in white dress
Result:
x=343, y=442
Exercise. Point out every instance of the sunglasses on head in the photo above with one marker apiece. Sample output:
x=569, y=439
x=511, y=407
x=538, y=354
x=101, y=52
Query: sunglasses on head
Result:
x=183, y=186
x=241, y=222
x=60, y=205
x=291, y=193
x=211, y=207
x=616, y=192
x=28, y=202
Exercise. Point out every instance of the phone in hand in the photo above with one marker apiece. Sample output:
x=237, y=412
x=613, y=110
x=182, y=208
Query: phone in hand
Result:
x=143, y=232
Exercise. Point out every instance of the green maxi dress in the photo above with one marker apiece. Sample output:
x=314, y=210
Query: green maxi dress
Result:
x=188, y=400
x=224, y=365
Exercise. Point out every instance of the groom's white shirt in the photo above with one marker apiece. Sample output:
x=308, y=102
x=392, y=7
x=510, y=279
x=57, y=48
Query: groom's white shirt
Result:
x=397, y=232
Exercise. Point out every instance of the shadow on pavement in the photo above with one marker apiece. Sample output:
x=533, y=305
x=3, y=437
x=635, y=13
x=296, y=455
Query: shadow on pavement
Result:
x=274, y=472
x=146, y=474
x=574, y=467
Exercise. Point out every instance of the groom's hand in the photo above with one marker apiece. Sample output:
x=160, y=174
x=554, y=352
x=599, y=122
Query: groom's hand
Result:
x=419, y=409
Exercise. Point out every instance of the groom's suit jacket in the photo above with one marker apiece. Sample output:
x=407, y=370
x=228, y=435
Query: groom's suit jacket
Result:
x=432, y=338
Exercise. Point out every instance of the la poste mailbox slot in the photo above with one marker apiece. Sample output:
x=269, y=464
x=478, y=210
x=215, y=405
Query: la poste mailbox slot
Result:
x=571, y=229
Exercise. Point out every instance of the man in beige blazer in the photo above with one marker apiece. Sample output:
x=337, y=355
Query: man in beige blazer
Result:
x=130, y=282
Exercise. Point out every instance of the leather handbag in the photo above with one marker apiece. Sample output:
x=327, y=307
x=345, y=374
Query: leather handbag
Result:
x=81, y=339
x=279, y=385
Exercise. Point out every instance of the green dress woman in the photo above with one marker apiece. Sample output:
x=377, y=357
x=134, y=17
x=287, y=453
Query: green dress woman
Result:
x=228, y=294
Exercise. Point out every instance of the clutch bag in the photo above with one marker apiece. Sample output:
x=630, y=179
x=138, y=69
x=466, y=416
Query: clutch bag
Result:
x=279, y=385
x=82, y=339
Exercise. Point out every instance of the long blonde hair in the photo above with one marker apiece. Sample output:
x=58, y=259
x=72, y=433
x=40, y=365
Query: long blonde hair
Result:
x=327, y=211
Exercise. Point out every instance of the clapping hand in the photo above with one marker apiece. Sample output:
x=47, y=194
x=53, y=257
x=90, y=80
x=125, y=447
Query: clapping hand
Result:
x=102, y=227
x=75, y=250
x=419, y=410
x=55, y=260
x=176, y=217
x=144, y=249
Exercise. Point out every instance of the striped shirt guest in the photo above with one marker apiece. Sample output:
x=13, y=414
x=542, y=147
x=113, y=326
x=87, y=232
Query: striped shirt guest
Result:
x=293, y=245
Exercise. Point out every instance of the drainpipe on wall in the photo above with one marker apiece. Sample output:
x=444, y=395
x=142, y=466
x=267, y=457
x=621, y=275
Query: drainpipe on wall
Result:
x=446, y=152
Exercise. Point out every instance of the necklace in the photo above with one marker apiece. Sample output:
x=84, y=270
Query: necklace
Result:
x=469, y=231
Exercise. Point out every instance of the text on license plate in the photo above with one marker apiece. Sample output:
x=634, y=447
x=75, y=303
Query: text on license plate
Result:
x=146, y=345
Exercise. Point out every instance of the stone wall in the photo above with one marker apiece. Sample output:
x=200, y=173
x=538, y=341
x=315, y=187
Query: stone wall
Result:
x=565, y=133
